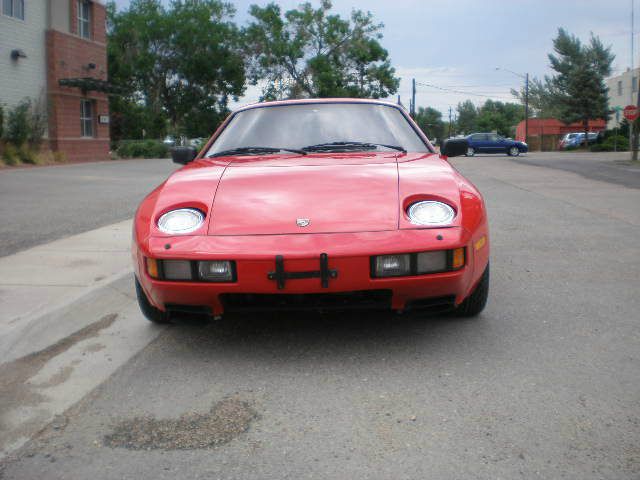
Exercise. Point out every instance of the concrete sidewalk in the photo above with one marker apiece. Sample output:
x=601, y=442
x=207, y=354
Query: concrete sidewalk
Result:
x=68, y=320
x=44, y=279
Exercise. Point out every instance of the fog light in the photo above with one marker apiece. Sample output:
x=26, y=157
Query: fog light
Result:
x=176, y=269
x=216, y=271
x=457, y=258
x=430, y=262
x=152, y=267
x=392, y=265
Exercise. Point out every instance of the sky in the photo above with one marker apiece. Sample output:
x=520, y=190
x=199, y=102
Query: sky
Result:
x=458, y=45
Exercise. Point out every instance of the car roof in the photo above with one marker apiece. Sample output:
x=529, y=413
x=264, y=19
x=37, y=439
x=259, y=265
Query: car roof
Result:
x=303, y=101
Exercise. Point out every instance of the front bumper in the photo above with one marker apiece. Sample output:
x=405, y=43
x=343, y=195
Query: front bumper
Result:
x=348, y=253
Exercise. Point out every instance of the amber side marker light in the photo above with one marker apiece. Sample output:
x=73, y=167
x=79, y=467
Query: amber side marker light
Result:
x=457, y=260
x=480, y=243
x=152, y=267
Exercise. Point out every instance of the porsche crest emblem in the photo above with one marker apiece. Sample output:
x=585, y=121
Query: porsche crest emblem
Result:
x=303, y=222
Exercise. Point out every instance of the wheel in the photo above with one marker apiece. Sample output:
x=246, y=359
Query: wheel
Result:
x=475, y=303
x=471, y=152
x=149, y=311
x=513, y=152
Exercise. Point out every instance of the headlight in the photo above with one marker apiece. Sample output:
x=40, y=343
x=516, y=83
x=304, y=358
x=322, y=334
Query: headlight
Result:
x=216, y=271
x=392, y=265
x=183, y=220
x=431, y=213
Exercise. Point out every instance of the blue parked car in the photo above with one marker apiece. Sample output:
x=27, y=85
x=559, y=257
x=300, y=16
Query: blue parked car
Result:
x=494, y=143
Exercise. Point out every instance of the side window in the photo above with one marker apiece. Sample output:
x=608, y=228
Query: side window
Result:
x=86, y=118
x=492, y=137
x=84, y=18
x=13, y=8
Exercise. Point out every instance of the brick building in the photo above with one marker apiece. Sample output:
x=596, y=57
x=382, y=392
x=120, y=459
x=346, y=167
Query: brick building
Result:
x=55, y=50
x=545, y=133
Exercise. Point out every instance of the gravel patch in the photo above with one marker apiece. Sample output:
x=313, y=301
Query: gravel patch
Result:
x=226, y=420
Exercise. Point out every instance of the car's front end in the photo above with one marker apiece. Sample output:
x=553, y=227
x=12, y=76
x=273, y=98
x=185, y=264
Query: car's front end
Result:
x=339, y=229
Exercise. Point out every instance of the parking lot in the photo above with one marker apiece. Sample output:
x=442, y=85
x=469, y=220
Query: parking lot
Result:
x=544, y=384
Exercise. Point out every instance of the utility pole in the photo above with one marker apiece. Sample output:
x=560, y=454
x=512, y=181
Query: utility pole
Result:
x=413, y=98
x=449, y=122
x=526, y=109
x=633, y=138
x=526, y=100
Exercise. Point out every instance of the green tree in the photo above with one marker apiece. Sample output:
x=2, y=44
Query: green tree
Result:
x=310, y=52
x=176, y=62
x=430, y=122
x=542, y=98
x=500, y=117
x=579, y=87
x=467, y=117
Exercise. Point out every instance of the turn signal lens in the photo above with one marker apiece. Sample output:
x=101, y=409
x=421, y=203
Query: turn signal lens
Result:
x=152, y=267
x=457, y=259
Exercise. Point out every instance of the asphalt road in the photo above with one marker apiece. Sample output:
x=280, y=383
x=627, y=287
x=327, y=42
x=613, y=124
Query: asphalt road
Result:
x=38, y=205
x=608, y=167
x=545, y=384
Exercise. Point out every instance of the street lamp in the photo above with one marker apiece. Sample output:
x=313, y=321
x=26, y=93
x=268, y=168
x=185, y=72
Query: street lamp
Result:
x=526, y=101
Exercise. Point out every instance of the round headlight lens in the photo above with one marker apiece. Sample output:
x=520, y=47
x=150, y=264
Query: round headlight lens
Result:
x=183, y=220
x=431, y=213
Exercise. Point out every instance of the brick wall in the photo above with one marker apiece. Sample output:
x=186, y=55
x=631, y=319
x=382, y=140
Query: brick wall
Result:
x=68, y=56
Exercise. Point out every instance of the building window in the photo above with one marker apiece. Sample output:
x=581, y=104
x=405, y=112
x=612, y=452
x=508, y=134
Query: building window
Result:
x=634, y=84
x=84, y=18
x=13, y=8
x=86, y=118
x=619, y=88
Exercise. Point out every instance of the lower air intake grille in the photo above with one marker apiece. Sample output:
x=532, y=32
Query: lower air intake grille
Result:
x=359, y=300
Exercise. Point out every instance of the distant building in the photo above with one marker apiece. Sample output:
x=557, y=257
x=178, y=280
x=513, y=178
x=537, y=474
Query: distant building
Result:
x=55, y=51
x=623, y=91
x=545, y=133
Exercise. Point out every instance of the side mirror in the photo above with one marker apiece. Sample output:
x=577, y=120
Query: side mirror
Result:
x=454, y=147
x=183, y=155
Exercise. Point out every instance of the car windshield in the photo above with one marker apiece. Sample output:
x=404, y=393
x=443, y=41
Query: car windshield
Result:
x=346, y=126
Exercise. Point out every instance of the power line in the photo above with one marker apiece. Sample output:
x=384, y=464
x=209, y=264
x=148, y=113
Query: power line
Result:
x=460, y=91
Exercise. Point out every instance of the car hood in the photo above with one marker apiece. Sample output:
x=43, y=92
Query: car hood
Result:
x=335, y=193
x=310, y=195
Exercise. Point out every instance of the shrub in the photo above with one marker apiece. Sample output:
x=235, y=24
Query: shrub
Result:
x=18, y=129
x=612, y=143
x=10, y=155
x=27, y=155
x=142, y=149
x=37, y=121
x=59, y=157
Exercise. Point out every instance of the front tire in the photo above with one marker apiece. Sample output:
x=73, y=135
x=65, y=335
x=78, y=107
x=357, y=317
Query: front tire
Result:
x=475, y=303
x=150, y=312
x=513, y=152
x=470, y=152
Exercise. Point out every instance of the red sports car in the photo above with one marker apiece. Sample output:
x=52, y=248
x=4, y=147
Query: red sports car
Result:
x=313, y=204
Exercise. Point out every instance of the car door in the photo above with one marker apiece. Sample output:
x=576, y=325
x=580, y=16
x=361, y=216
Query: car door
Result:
x=479, y=142
x=493, y=144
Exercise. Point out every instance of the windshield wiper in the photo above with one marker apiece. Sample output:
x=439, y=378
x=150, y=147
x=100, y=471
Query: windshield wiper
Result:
x=337, y=146
x=254, y=151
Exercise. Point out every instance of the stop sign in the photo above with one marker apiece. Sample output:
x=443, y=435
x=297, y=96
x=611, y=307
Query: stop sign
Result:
x=630, y=112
